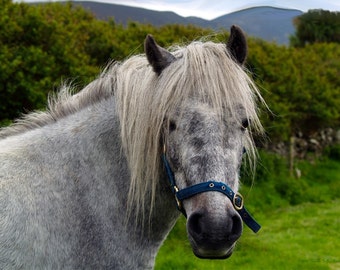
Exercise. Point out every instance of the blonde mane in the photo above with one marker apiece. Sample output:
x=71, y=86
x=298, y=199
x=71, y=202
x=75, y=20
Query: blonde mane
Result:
x=205, y=71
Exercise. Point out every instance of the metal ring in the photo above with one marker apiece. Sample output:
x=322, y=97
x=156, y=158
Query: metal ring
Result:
x=238, y=201
x=211, y=185
x=223, y=187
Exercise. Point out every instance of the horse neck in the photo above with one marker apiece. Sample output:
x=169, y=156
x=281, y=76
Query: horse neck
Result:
x=96, y=139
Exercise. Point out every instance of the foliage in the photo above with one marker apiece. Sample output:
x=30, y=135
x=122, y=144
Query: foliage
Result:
x=42, y=45
x=300, y=85
x=39, y=44
x=45, y=44
x=316, y=26
x=333, y=152
x=272, y=185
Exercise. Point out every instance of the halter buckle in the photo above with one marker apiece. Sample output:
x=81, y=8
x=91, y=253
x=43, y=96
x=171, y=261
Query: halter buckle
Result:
x=238, y=201
x=179, y=204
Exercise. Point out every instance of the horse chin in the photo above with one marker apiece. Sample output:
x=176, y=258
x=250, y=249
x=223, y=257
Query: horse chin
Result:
x=214, y=254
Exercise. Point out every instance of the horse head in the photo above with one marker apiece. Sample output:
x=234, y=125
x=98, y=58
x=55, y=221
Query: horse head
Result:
x=204, y=135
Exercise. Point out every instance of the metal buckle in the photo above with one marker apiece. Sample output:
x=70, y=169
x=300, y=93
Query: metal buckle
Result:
x=238, y=201
x=179, y=204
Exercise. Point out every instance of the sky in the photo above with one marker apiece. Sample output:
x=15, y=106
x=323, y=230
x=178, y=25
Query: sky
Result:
x=210, y=9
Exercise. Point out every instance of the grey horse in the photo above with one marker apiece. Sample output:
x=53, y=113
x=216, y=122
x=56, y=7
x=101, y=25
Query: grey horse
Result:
x=84, y=185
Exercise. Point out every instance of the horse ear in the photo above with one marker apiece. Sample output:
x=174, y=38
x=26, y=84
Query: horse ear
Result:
x=237, y=44
x=158, y=57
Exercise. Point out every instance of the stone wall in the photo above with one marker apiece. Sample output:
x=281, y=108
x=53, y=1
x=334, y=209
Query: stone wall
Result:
x=304, y=145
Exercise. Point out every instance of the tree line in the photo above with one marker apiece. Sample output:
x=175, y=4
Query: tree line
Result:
x=43, y=45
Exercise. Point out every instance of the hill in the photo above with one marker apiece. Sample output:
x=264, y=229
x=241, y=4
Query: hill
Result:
x=268, y=23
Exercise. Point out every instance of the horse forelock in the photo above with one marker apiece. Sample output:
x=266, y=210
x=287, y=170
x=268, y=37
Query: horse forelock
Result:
x=203, y=71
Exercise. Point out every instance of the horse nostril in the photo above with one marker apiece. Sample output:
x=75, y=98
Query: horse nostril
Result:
x=195, y=224
x=236, y=228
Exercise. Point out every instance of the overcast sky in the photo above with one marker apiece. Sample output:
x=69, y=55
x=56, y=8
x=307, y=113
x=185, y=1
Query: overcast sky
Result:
x=210, y=9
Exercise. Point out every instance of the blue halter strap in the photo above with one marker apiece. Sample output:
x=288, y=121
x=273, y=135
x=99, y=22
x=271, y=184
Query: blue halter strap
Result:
x=235, y=198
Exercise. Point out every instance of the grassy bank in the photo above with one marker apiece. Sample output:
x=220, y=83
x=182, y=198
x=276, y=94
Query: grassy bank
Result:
x=299, y=217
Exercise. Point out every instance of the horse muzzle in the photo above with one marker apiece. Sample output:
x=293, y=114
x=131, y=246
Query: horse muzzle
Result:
x=213, y=238
x=209, y=186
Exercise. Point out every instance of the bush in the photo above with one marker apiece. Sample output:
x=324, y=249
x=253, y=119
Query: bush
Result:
x=273, y=186
x=42, y=45
x=333, y=152
x=292, y=190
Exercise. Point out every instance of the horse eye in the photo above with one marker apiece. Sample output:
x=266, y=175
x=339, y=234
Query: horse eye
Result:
x=172, y=126
x=245, y=123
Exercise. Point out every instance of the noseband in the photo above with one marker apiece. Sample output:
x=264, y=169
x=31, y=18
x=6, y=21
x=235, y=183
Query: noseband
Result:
x=235, y=198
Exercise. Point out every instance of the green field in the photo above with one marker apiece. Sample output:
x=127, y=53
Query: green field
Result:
x=306, y=236
x=301, y=236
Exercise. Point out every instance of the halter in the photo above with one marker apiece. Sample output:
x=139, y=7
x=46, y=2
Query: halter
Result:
x=235, y=198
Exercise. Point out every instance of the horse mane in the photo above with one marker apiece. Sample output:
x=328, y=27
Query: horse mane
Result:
x=204, y=70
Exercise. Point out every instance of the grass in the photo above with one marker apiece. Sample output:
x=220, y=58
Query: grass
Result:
x=296, y=237
x=300, y=221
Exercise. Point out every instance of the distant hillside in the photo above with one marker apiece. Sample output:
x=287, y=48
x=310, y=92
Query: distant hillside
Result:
x=123, y=14
x=268, y=23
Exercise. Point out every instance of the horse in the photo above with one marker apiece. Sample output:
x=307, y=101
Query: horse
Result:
x=96, y=180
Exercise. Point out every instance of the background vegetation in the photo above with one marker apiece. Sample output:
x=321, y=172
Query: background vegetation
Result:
x=43, y=45
x=316, y=26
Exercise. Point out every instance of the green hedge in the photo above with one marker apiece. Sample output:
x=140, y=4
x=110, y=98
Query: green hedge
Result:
x=43, y=45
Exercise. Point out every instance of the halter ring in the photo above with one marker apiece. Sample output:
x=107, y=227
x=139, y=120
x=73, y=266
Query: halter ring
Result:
x=238, y=201
x=179, y=203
